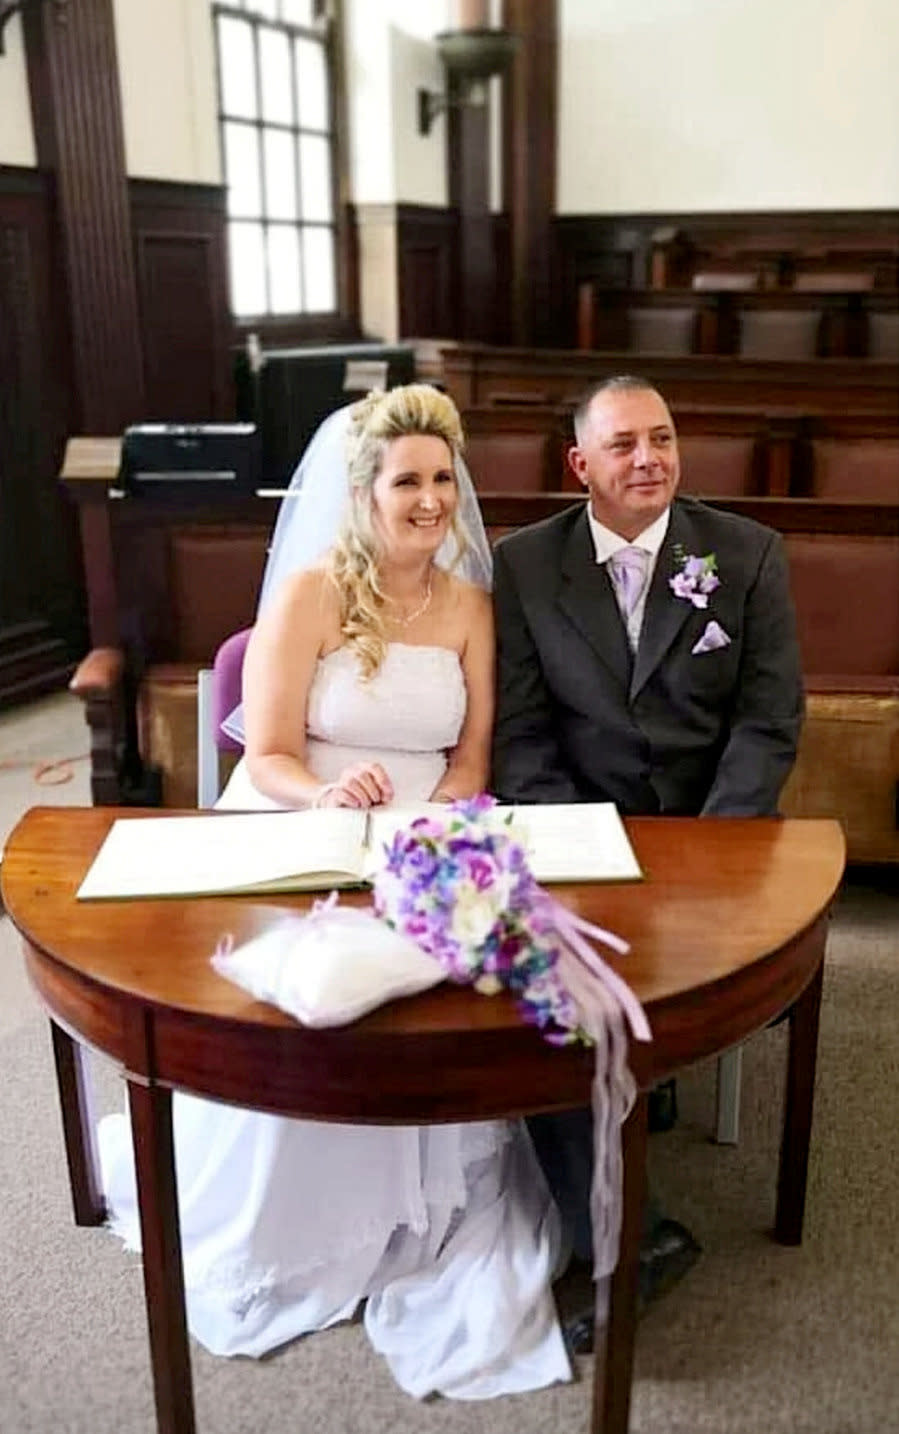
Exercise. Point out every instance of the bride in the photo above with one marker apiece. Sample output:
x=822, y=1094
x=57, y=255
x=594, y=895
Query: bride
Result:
x=368, y=680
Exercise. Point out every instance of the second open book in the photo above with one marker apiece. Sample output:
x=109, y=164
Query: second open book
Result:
x=233, y=853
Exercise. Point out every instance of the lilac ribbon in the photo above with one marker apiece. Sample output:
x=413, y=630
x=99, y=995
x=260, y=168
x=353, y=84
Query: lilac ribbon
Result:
x=605, y=1003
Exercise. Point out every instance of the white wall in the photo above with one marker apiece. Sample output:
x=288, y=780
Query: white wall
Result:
x=169, y=106
x=16, y=133
x=390, y=55
x=679, y=105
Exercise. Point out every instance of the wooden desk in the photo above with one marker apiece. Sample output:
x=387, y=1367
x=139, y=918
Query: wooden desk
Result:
x=727, y=932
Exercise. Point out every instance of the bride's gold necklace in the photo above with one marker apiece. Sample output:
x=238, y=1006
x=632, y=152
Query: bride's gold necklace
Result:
x=405, y=619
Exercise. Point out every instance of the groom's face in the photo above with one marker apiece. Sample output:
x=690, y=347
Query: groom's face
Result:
x=626, y=457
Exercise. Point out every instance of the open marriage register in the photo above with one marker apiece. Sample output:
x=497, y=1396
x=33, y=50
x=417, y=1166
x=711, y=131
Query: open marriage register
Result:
x=240, y=853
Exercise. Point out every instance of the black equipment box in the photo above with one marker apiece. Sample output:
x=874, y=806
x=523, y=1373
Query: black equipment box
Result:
x=196, y=460
x=295, y=389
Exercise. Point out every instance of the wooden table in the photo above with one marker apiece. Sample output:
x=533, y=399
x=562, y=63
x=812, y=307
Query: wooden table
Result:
x=727, y=932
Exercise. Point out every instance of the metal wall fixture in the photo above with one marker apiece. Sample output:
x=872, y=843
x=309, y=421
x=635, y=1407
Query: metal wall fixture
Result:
x=8, y=8
x=470, y=58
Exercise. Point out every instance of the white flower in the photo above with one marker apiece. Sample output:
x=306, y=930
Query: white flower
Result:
x=475, y=913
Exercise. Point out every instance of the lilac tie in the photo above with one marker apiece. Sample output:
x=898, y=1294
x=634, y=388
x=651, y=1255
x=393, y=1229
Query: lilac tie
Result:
x=627, y=569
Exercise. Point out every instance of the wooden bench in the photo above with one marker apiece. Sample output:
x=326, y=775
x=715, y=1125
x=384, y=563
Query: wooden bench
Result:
x=480, y=374
x=167, y=583
x=744, y=452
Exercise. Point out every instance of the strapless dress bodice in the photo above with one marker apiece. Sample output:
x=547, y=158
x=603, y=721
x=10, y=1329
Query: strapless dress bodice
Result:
x=415, y=702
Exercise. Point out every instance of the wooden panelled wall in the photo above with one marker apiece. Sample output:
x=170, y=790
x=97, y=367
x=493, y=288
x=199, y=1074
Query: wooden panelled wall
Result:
x=177, y=239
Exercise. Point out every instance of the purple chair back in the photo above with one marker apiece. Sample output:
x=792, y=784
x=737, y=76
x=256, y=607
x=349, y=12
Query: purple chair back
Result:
x=226, y=685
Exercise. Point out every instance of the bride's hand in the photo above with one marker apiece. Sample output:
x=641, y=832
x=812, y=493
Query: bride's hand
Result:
x=364, y=785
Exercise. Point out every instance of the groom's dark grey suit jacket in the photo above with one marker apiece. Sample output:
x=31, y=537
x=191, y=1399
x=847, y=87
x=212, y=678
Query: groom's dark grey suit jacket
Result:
x=668, y=730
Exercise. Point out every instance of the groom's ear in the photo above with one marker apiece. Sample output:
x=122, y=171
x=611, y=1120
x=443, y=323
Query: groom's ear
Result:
x=577, y=463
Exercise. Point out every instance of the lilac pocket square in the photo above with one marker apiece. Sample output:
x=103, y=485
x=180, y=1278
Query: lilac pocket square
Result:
x=713, y=638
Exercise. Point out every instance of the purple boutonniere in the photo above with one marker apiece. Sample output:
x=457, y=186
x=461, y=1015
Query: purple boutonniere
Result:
x=697, y=579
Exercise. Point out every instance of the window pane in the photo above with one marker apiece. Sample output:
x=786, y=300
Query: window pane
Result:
x=312, y=84
x=268, y=8
x=318, y=270
x=274, y=71
x=284, y=269
x=297, y=12
x=280, y=174
x=247, y=269
x=315, y=176
x=242, y=171
x=238, y=68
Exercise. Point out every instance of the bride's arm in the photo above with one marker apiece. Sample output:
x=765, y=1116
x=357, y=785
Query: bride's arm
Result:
x=298, y=624
x=468, y=768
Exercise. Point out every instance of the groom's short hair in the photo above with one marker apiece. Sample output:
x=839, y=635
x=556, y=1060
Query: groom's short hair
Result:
x=618, y=383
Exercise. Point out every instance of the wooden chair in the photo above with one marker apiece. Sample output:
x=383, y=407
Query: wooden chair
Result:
x=662, y=331
x=779, y=333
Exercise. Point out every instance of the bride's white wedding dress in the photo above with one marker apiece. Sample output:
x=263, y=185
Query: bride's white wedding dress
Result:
x=447, y=1231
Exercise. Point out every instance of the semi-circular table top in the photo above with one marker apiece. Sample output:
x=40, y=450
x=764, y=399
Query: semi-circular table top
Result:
x=724, y=935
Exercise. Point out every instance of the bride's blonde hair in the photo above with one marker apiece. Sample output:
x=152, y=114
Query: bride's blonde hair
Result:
x=375, y=422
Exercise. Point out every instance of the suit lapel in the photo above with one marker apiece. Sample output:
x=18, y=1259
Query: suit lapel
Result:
x=664, y=614
x=588, y=601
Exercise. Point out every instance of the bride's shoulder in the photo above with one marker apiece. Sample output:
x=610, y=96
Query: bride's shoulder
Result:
x=305, y=597
x=465, y=595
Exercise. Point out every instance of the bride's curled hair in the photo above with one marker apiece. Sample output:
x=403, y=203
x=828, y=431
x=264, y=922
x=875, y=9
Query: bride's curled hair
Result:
x=376, y=421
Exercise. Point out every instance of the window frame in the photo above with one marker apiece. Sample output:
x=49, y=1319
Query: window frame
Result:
x=288, y=328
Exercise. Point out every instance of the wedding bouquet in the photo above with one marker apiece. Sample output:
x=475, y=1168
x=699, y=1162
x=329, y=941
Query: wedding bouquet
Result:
x=458, y=883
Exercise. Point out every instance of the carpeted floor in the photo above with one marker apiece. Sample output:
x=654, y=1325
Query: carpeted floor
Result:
x=757, y=1340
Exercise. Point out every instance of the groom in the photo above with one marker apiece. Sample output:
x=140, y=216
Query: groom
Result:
x=647, y=656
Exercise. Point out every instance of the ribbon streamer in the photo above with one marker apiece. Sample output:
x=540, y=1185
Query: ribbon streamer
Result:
x=605, y=1002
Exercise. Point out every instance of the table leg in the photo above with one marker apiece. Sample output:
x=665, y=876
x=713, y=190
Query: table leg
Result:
x=797, y=1128
x=614, y=1337
x=73, y=1085
x=154, y=1158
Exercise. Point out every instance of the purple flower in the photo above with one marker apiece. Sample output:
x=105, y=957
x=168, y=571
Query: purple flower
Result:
x=697, y=578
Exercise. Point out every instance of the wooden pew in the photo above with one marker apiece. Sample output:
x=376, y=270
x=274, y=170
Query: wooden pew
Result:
x=724, y=453
x=480, y=374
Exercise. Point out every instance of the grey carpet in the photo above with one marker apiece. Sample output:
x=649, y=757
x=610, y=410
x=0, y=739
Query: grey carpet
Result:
x=757, y=1340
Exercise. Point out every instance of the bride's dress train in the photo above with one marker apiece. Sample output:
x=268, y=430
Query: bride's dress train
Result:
x=447, y=1231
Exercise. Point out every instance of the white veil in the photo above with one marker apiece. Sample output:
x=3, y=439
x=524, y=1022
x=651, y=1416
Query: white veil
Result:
x=313, y=509
x=314, y=505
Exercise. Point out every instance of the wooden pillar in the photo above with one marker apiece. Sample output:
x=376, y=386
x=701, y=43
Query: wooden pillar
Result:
x=76, y=108
x=468, y=145
x=529, y=165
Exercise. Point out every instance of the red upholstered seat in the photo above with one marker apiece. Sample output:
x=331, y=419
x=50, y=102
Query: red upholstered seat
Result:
x=846, y=589
x=718, y=465
x=215, y=580
x=866, y=469
x=508, y=462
